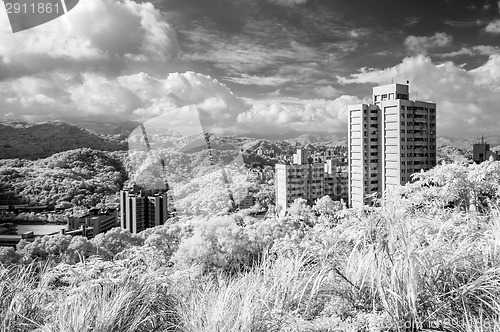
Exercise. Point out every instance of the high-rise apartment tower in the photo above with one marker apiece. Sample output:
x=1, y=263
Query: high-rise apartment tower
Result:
x=141, y=209
x=388, y=141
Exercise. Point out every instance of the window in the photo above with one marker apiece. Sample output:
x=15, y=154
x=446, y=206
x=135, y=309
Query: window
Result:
x=391, y=95
x=403, y=163
x=384, y=97
x=402, y=123
x=377, y=98
x=403, y=178
x=402, y=139
x=402, y=154
x=402, y=146
x=402, y=107
x=402, y=131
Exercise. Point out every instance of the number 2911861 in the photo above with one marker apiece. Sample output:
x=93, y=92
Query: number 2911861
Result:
x=33, y=8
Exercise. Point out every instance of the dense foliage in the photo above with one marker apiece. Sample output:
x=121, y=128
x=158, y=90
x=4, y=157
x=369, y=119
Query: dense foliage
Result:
x=82, y=177
x=429, y=253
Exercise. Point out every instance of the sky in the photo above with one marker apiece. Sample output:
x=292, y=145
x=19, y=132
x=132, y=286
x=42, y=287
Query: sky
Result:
x=254, y=66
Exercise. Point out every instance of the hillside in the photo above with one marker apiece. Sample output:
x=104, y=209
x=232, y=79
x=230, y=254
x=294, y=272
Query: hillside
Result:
x=83, y=177
x=39, y=140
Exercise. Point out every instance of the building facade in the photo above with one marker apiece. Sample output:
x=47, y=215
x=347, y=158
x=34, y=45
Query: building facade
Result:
x=308, y=180
x=141, y=209
x=481, y=152
x=388, y=141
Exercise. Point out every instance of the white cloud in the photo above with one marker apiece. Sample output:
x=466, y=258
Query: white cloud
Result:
x=493, y=27
x=286, y=114
x=139, y=96
x=479, y=49
x=246, y=79
x=96, y=33
x=327, y=91
x=460, y=94
x=423, y=44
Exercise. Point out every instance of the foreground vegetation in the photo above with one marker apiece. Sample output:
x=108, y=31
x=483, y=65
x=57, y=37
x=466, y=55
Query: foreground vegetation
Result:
x=428, y=256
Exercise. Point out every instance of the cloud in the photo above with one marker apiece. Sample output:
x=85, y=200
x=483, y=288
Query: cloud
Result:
x=97, y=34
x=246, y=79
x=464, y=23
x=460, y=94
x=139, y=97
x=327, y=91
x=423, y=44
x=287, y=114
x=493, y=27
x=411, y=21
x=475, y=50
x=288, y=2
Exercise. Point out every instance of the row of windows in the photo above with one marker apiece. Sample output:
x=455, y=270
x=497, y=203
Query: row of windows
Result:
x=410, y=154
x=418, y=108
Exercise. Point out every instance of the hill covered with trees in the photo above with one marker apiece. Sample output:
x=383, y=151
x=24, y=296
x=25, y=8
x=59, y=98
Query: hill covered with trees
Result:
x=26, y=140
x=83, y=177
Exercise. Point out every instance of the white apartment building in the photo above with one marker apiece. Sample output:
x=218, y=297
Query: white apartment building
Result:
x=388, y=141
x=307, y=180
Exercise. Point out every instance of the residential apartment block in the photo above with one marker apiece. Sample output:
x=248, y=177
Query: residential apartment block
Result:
x=388, y=141
x=310, y=181
x=141, y=209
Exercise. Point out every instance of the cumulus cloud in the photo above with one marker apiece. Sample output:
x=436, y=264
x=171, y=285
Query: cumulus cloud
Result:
x=138, y=96
x=176, y=97
x=96, y=34
x=493, y=27
x=462, y=96
x=282, y=115
x=423, y=44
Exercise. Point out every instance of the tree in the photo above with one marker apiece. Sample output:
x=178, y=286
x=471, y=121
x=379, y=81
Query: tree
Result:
x=115, y=241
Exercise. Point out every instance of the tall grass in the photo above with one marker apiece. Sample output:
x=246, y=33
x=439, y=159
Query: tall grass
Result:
x=24, y=303
x=134, y=306
x=429, y=268
x=272, y=297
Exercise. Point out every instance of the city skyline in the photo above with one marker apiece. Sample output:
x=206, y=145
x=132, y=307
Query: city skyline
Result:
x=258, y=67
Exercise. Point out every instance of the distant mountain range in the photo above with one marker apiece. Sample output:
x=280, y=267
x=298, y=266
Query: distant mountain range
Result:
x=25, y=140
x=39, y=140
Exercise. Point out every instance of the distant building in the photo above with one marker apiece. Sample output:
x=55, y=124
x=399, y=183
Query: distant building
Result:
x=308, y=180
x=93, y=223
x=141, y=209
x=481, y=152
x=388, y=141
